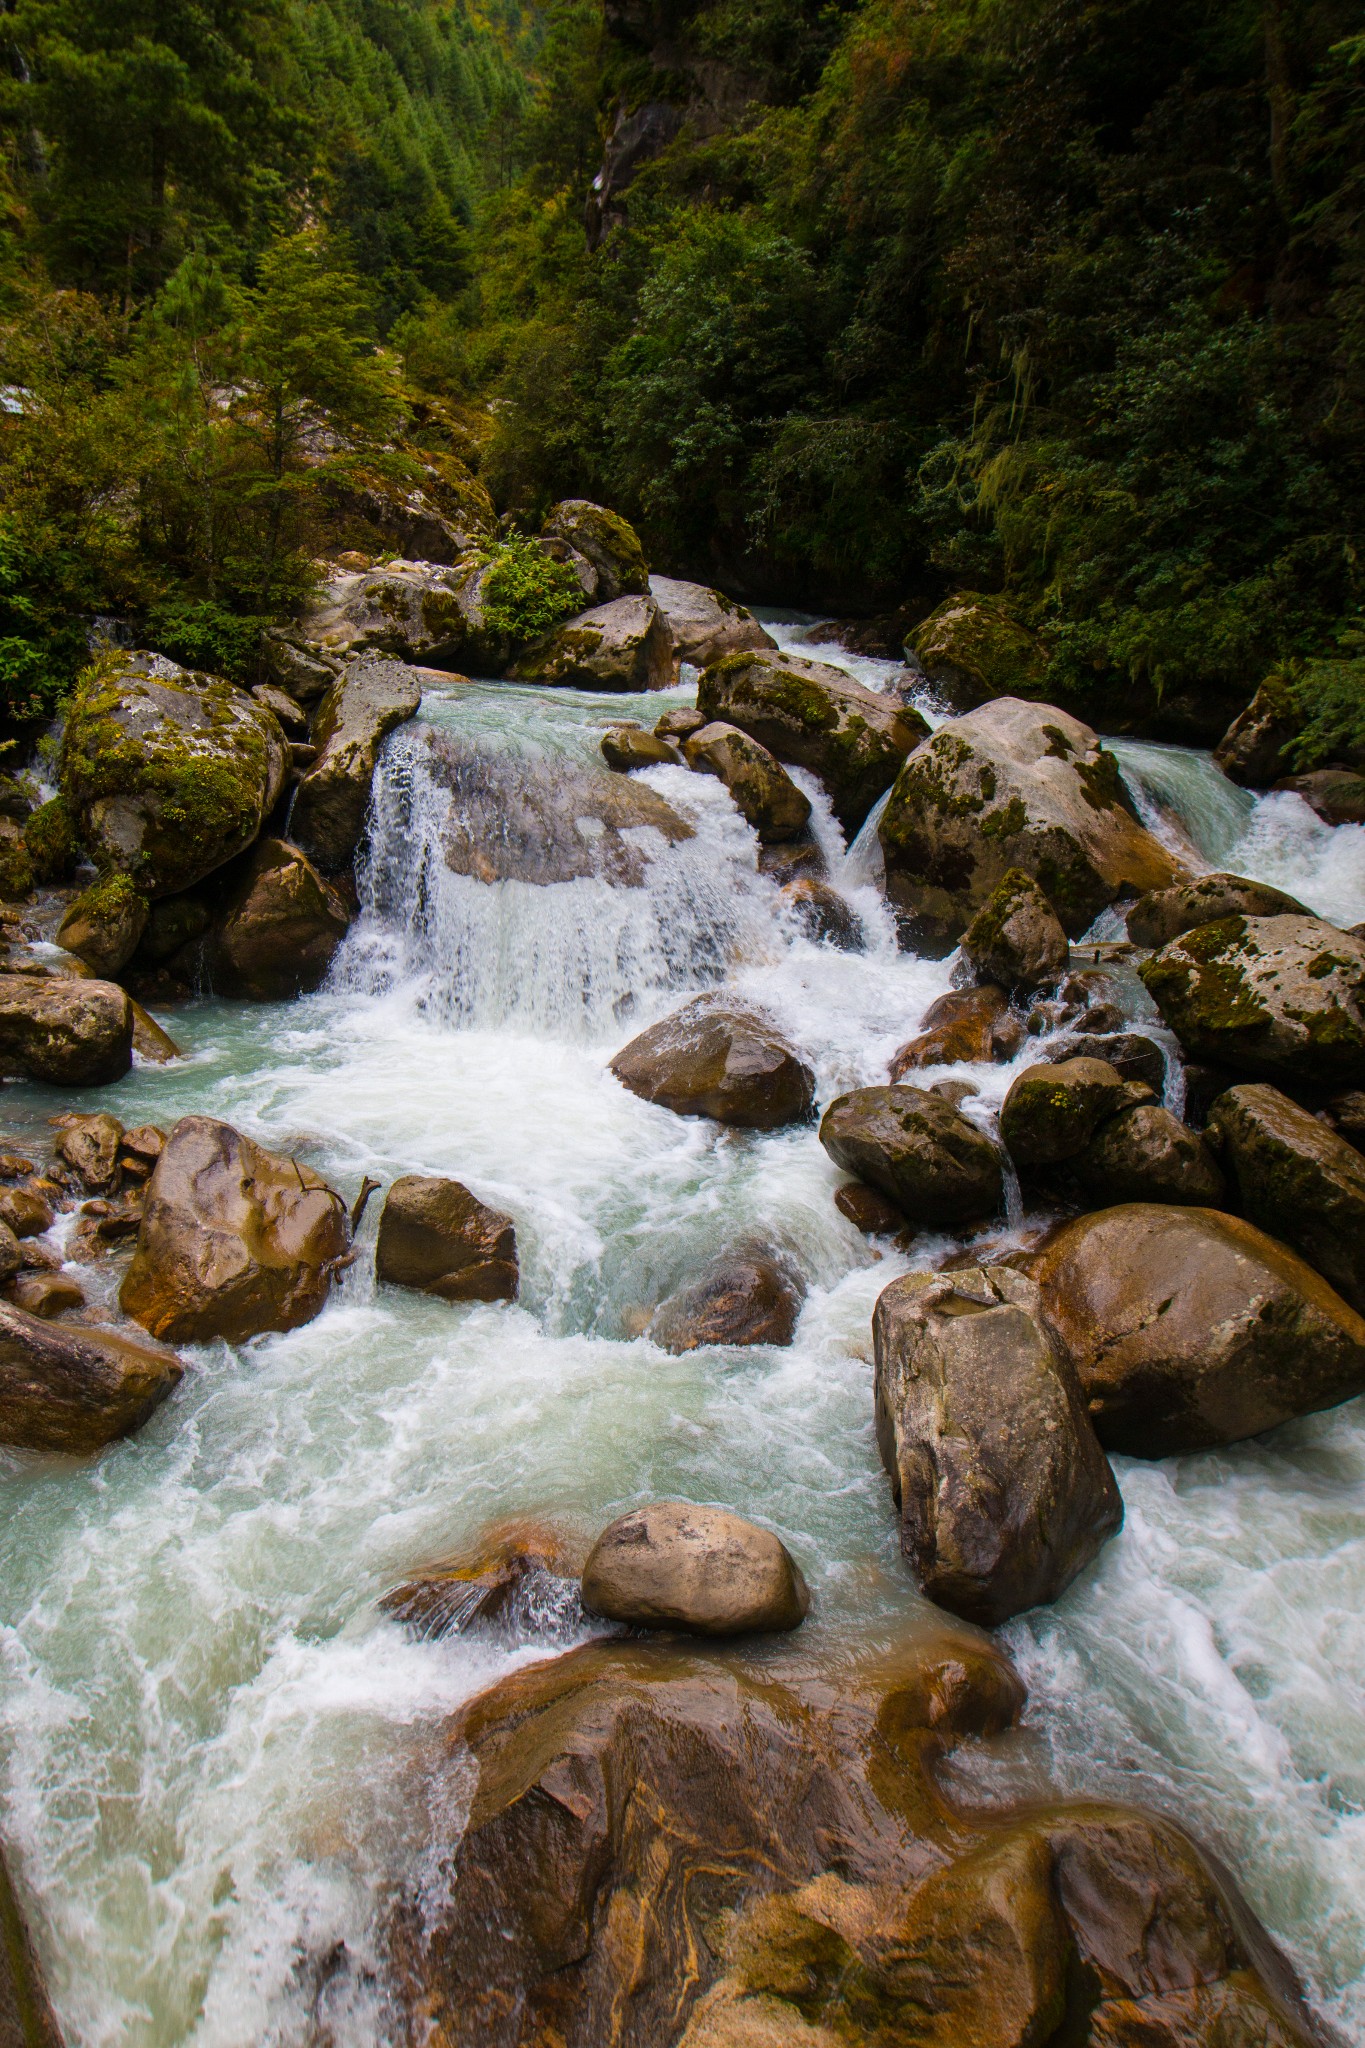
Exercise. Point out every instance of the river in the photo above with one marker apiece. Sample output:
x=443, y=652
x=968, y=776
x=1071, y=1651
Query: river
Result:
x=217, y=1756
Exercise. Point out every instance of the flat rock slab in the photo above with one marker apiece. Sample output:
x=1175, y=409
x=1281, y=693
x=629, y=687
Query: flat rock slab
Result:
x=698, y=1569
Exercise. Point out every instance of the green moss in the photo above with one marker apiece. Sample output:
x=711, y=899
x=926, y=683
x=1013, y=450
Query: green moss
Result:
x=1007, y=822
x=1102, y=783
x=16, y=869
x=50, y=836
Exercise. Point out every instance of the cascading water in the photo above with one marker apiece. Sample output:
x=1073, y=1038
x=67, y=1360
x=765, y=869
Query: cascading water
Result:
x=220, y=1758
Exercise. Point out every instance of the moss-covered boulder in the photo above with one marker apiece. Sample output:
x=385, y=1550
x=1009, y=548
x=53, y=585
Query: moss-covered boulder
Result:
x=427, y=509
x=761, y=787
x=627, y=747
x=621, y=645
x=365, y=703
x=1297, y=1179
x=413, y=611
x=1254, y=751
x=814, y=716
x=167, y=774
x=105, y=924
x=1013, y=785
x=1016, y=938
x=917, y=1149
x=972, y=649
x=1269, y=997
x=16, y=866
x=1052, y=1111
x=1163, y=915
x=50, y=836
x=608, y=543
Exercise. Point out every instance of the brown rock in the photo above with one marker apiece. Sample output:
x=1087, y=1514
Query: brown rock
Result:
x=1133, y=1055
x=139, y=1150
x=1347, y=1112
x=514, y=1568
x=915, y=1147
x=1003, y=1491
x=1015, y=938
x=719, y=1059
x=72, y=1033
x=368, y=699
x=1336, y=794
x=1145, y=1154
x=1163, y=914
x=13, y=1166
x=872, y=1212
x=1254, y=749
x=46, y=1294
x=680, y=722
x=826, y=917
x=26, y=2016
x=234, y=1239
x=734, y=1300
x=437, y=1237
x=1053, y=1111
x=11, y=1253
x=281, y=929
x=75, y=1390
x=763, y=791
x=1190, y=1328
x=104, y=925
x=699, y=1569
x=625, y=747
x=27, y=1212
x=88, y=1147
x=290, y=713
x=1297, y=1180
x=966, y=1024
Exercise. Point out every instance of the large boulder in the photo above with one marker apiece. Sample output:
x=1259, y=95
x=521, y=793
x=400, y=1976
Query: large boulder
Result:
x=607, y=542
x=972, y=650
x=916, y=1148
x=1145, y=1154
x=437, y=1237
x=75, y=1389
x=234, y=1239
x=73, y=1033
x=1016, y=938
x=1272, y=997
x=761, y=787
x=1053, y=1110
x=167, y=774
x=720, y=1059
x=816, y=717
x=703, y=625
x=1156, y=919
x=1013, y=785
x=1190, y=1328
x=278, y=934
x=1297, y=1180
x=515, y=819
x=966, y=1024
x=698, y=1569
x=1003, y=1491
x=739, y=1298
x=104, y=925
x=365, y=703
x=623, y=645
x=1254, y=751
x=1337, y=795
x=412, y=611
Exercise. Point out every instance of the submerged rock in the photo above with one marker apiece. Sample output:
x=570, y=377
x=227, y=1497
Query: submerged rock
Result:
x=1015, y=938
x=719, y=1059
x=1270, y=997
x=1190, y=1329
x=512, y=1570
x=72, y=1033
x=26, y=2016
x=234, y=1239
x=816, y=717
x=1298, y=1180
x=607, y=542
x=76, y=1389
x=973, y=650
x=736, y=1299
x=1013, y=785
x=698, y=1569
x=1156, y=919
x=703, y=625
x=546, y=821
x=434, y=1235
x=964, y=1025
x=167, y=774
x=918, y=1150
x=281, y=929
x=1003, y=1491
x=623, y=645
x=364, y=704
x=762, y=789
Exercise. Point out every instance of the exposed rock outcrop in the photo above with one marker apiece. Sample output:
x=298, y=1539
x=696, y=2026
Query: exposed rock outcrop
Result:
x=917, y=1149
x=1003, y=1491
x=698, y=1569
x=73, y=1033
x=1337, y=795
x=719, y=1059
x=411, y=610
x=437, y=1237
x=368, y=699
x=703, y=625
x=738, y=1298
x=1254, y=749
x=75, y=1389
x=1297, y=1180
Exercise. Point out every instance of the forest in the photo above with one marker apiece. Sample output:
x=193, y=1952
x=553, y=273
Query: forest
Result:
x=848, y=306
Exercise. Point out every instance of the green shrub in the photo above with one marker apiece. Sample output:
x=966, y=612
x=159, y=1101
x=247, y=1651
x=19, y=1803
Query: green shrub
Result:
x=525, y=592
x=205, y=635
x=50, y=836
x=1330, y=696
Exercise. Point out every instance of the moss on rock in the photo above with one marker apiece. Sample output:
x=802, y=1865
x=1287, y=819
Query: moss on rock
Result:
x=974, y=649
x=50, y=836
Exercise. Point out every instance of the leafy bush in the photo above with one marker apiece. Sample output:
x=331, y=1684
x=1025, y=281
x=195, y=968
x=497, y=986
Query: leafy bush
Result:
x=1330, y=695
x=204, y=635
x=525, y=592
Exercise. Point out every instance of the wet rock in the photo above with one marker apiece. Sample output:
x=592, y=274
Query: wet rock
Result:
x=917, y=1149
x=698, y=1569
x=719, y=1059
x=27, y=1211
x=72, y=1033
x=1013, y=785
x=104, y=1225
x=1347, y=1112
x=16, y=868
x=437, y=1237
x=50, y=839
x=736, y=1299
x=11, y=1253
x=680, y=723
x=46, y=1295
x=762, y=789
x=1131, y=1053
x=366, y=702
x=104, y=925
x=234, y=1239
x=1297, y=1180
x=1003, y=1491
x=1156, y=919
x=972, y=650
x=167, y=774
x=955, y=1091
x=607, y=542
x=512, y=1573
x=796, y=860
x=1015, y=938
x=515, y=820
x=1253, y=750
x=26, y=2016
x=872, y=1212
x=150, y=1041
x=89, y=1148
x=623, y=645
x=816, y=717
x=1145, y=1154
x=280, y=930
x=14, y=1166
x=1190, y=1328
x=76, y=1389
x=139, y=1150
x=826, y=917
x=966, y=1024
x=174, y=926
x=1269, y=997
x=625, y=747
x=292, y=717
x=1336, y=794
x=1052, y=1112
x=703, y=625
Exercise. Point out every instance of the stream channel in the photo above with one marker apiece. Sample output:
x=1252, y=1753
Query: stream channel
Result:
x=217, y=1755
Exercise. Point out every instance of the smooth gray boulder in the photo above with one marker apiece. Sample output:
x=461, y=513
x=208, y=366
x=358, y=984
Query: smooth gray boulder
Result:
x=620, y=646
x=368, y=699
x=703, y=624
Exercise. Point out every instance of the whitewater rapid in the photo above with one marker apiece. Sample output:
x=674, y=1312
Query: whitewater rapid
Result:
x=218, y=1759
